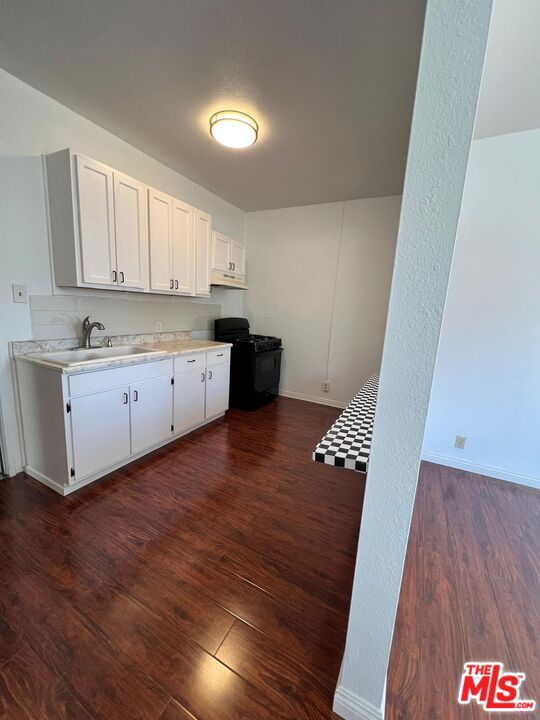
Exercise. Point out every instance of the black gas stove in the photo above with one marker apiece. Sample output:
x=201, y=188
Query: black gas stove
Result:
x=255, y=363
x=259, y=343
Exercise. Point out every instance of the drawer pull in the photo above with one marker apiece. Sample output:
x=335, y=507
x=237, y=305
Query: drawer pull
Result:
x=191, y=360
x=220, y=355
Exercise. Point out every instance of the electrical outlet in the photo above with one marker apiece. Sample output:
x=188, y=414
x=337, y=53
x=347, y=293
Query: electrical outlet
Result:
x=20, y=293
x=460, y=442
x=326, y=386
x=158, y=326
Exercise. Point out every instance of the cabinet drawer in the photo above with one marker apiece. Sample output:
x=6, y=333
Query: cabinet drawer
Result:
x=214, y=357
x=193, y=361
x=98, y=380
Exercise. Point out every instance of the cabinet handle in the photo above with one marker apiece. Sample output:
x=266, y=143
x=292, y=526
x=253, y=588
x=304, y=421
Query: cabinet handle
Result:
x=191, y=360
x=121, y=276
x=172, y=285
x=220, y=355
x=210, y=374
x=114, y=275
x=176, y=284
x=126, y=398
x=234, y=266
x=135, y=395
x=202, y=377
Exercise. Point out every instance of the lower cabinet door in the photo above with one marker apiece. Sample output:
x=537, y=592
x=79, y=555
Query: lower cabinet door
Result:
x=151, y=413
x=100, y=430
x=217, y=389
x=189, y=392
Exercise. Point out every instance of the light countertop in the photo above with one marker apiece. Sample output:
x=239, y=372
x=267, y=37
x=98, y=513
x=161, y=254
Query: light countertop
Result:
x=185, y=347
x=167, y=349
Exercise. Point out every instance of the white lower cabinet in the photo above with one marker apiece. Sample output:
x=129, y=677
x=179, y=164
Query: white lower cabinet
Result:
x=217, y=389
x=151, y=413
x=100, y=430
x=201, y=392
x=78, y=427
x=189, y=394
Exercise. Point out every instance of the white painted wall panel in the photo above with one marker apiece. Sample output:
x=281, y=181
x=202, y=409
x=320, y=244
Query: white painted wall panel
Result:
x=487, y=385
x=298, y=258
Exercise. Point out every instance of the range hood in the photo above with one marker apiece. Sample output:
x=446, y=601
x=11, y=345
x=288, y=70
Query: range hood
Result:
x=225, y=279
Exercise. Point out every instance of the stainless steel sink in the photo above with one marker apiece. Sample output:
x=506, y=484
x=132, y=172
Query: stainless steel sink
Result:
x=83, y=356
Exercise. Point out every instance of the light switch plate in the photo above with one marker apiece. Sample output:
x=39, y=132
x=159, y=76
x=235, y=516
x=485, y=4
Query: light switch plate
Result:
x=20, y=293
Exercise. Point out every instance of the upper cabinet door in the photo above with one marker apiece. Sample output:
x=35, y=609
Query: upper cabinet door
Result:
x=160, y=231
x=131, y=232
x=182, y=247
x=221, y=259
x=238, y=257
x=203, y=229
x=96, y=222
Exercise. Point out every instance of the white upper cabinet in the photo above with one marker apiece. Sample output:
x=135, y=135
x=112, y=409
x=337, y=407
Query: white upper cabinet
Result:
x=173, y=246
x=238, y=258
x=203, y=230
x=221, y=252
x=111, y=231
x=98, y=224
x=182, y=247
x=131, y=232
x=228, y=260
x=160, y=231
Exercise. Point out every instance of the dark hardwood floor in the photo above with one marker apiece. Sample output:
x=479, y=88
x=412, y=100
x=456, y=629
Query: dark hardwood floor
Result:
x=211, y=580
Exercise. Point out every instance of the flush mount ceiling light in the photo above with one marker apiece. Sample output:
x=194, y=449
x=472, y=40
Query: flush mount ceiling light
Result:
x=233, y=129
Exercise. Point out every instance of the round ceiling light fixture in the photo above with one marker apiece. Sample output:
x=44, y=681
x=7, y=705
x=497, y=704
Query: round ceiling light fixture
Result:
x=233, y=129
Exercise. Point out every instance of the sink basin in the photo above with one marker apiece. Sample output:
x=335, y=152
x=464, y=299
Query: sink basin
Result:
x=81, y=356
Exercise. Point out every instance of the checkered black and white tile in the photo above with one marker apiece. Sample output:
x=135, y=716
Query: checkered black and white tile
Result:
x=348, y=442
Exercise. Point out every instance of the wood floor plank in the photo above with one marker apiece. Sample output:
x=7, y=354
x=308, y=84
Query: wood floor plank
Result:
x=231, y=541
x=515, y=585
x=315, y=638
x=102, y=680
x=30, y=691
x=174, y=711
x=256, y=658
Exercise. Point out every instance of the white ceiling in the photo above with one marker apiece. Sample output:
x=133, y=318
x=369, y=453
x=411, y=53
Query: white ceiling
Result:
x=331, y=83
x=510, y=94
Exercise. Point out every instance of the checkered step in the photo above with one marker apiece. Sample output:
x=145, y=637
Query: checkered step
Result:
x=348, y=442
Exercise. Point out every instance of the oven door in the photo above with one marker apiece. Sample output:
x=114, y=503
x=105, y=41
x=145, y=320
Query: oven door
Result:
x=267, y=370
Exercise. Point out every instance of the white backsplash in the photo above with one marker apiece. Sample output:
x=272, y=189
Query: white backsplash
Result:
x=60, y=316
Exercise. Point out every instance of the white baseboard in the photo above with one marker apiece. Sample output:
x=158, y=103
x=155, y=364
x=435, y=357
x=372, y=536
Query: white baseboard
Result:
x=493, y=472
x=351, y=707
x=313, y=399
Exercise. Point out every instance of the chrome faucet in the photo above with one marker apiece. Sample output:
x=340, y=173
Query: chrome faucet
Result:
x=87, y=328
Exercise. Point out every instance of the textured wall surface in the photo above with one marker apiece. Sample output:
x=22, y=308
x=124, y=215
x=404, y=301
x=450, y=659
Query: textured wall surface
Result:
x=451, y=63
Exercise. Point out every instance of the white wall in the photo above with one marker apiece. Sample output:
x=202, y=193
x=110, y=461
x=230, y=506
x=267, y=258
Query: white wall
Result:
x=487, y=379
x=32, y=124
x=319, y=278
x=453, y=49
